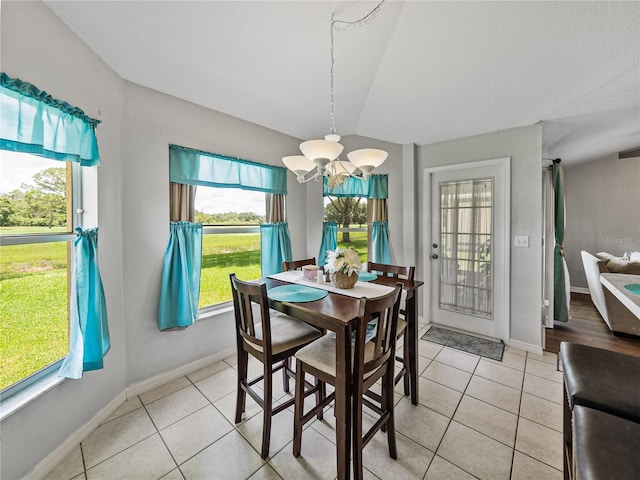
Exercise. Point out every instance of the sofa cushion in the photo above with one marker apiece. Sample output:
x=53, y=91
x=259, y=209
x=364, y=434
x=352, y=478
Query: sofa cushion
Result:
x=618, y=265
x=604, y=256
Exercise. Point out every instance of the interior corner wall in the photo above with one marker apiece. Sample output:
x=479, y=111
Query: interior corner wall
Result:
x=524, y=146
x=603, y=210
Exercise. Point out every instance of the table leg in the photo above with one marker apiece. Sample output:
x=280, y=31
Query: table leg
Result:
x=412, y=331
x=343, y=402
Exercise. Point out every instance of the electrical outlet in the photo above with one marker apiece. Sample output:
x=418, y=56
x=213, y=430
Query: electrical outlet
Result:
x=521, y=241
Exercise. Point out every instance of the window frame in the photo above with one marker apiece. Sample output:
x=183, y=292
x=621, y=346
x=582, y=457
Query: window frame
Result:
x=75, y=215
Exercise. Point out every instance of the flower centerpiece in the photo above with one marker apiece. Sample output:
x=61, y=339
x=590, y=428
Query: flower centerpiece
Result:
x=344, y=265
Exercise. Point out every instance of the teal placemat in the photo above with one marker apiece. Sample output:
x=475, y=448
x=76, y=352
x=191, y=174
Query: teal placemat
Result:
x=296, y=293
x=366, y=276
x=633, y=288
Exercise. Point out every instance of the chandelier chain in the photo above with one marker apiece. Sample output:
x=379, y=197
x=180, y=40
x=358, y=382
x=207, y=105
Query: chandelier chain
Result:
x=341, y=26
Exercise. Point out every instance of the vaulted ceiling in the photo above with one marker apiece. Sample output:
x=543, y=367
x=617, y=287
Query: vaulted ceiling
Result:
x=420, y=72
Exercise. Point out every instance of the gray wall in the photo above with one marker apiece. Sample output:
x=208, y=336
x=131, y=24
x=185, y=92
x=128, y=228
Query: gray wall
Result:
x=524, y=146
x=603, y=210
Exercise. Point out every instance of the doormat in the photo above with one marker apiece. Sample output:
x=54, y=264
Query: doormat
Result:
x=492, y=349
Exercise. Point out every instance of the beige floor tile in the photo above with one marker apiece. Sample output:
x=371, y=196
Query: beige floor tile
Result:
x=527, y=468
x=173, y=475
x=128, y=406
x=440, y=469
x=227, y=406
x=188, y=436
x=543, y=388
x=148, y=459
x=437, y=397
x=176, y=406
x=544, y=370
x=207, y=371
x=281, y=431
x=164, y=390
x=499, y=373
x=413, y=459
x=492, y=421
x=69, y=467
x=317, y=459
x=231, y=360
x=423, y=363
x=517, y=351
x=115, y=436
x=511, y=360
x=209, y=463
x=218, y=385
x=476, y=453
x=457, y=359
x=541, y=411
x=265, y=473
x=428, y=349
x=494, y=393
x=540, y=442
x=420, y=424
x=545, y=357
x=447, y=376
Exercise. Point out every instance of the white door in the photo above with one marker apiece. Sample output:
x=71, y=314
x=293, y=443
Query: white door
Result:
x=468, y=251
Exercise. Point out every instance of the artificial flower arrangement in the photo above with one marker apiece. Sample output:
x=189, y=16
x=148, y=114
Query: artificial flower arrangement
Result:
x=345, y=260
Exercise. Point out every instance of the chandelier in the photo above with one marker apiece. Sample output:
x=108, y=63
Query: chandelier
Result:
x=323, y=155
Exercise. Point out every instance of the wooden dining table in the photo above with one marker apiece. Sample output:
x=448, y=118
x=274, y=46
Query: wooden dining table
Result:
x=339, y=314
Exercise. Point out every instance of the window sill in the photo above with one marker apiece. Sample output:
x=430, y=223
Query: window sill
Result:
x=12, y=404
x=216, y=311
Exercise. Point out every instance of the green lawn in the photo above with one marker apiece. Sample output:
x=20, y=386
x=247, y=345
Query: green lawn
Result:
x=33, y=294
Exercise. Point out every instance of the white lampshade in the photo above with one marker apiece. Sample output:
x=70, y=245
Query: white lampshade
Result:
x=367, y=157
x=298, y=163
x=321, y=149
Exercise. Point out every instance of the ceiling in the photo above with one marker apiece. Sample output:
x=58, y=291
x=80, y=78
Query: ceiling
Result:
x=420, y=72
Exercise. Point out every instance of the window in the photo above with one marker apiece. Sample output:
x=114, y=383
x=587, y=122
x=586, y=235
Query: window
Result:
x=38, y=198
x=350, y=213
x=231, y=239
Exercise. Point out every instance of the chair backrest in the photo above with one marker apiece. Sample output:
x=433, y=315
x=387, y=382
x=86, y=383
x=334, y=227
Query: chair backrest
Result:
x=252, y=325
x=297, y=264
x=378, y=350
x=394, y=271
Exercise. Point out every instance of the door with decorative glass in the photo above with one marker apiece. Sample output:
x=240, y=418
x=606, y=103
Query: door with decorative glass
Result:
x=469, y=249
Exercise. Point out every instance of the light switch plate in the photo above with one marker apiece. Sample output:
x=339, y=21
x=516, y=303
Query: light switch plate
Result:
x=521, y=241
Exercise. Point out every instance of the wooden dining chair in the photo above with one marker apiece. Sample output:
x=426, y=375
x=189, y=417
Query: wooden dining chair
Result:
x=374, y=359
x=297, y=264
x=397, y=271
x=271, y=339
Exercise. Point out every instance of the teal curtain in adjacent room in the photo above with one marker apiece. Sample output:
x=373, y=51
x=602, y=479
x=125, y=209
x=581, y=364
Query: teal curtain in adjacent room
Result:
x=31, y=121
x=89, y=330
x=180, y=291
x=195, y=167
x=375, y=187
x=380, y=243
x=560, y=271
x=329, y=241
x=275, y=247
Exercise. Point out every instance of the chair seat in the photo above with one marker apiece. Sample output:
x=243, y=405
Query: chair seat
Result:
x=602, y=379
x=402, y=324
x=321, y=354
x=287, y=333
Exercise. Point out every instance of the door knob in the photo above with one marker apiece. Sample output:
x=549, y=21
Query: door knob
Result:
x=434, y=256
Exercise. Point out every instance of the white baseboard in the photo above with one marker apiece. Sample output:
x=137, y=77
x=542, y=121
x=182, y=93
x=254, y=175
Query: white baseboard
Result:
x=72, y=441
x=158, y=380
x=529, y=347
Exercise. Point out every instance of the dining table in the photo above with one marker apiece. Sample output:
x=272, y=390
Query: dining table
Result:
x=338, y=312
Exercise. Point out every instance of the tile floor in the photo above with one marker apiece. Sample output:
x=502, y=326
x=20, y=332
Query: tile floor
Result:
x=477, y=418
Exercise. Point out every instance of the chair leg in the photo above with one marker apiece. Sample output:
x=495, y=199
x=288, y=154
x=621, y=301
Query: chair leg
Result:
x=241, y=395
x=285, y=377
x=298, y=410
x=387, y=387
x=267, y=410
x=357, y=432
x=405, y=361
x=321, y=394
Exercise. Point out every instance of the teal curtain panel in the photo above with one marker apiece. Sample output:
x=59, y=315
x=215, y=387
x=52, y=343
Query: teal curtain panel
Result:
x=180, y=290
x=329, y=241
x=275, y=247
x=31, y=121
x=89, y=339
x=195, y=167
x=375, y=187
x=380, y=242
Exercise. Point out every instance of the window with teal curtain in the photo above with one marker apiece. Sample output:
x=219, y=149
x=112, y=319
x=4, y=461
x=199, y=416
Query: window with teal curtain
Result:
x=180, y=290
x=31, y=121
x=329, y=241
x=380, y=242
x=275, y=246
x=375, y=187
x=89, y=338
